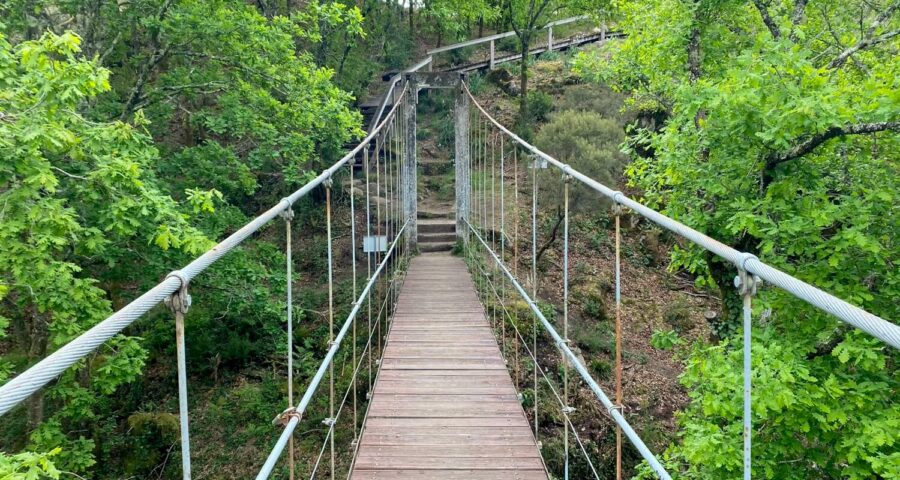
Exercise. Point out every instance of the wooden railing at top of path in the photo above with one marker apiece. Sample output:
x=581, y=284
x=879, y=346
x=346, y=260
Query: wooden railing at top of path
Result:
x=491, y=63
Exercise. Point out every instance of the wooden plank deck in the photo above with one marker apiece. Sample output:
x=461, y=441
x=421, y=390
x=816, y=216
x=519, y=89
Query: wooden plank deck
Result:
x=444, y=406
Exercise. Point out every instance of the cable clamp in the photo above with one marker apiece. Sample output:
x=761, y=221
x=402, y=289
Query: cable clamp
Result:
x=329, y=421
x=620, y=408
x=285, y=417
x=566, y=176
x=567, y=409
x=288, y=213
x=179, y=301
x=746, y=282
x=329, y=181
x=617, y=208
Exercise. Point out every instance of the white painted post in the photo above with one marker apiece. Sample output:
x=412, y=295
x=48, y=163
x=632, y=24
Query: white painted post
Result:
x=550, y=38
x=491, y=64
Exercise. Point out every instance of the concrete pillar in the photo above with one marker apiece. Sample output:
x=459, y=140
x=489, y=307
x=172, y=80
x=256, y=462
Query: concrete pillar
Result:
x=410, y=174
x=550, y=38
x=463, y=181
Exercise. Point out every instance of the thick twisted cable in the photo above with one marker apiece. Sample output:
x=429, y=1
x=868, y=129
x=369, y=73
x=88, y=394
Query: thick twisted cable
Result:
x=859, y=318
x=29, y=381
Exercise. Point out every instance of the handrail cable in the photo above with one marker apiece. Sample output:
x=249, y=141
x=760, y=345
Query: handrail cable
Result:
x=582, y=371
x=859, y=318
x=272, y=459
x=540, y=369
x=29, y=381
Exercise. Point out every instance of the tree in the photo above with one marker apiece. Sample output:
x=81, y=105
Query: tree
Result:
x=528, y=17
x=780, y=139
x=76, y=195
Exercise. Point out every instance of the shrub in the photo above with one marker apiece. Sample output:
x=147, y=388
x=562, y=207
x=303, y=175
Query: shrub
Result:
x=540, y=105
x=596, y=99
x=664, y=340
x=678, y=316
x=590, y=144
x=477, y=84
x=601, y=368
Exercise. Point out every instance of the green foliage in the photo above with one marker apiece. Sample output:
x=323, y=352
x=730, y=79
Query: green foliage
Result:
x=540, y=105
x=601, y=368
x=742, y=157
x=664, y=339
x=590, y=144
x=28, y=465
x=591, y=97
x=80, y=197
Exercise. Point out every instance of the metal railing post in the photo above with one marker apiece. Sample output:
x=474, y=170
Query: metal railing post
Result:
x=288, y=215
x=747, y=284
x=617, y=210
x=491, y=63
x=179, y=302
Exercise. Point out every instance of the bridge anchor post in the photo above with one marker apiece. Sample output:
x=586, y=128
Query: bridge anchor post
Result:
x=410, y=174
x=462, y=164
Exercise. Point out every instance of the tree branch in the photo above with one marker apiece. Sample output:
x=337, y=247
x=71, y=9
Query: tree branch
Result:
x=767, y=19
x=863, y=44
x=809, y=143
x=796, y=18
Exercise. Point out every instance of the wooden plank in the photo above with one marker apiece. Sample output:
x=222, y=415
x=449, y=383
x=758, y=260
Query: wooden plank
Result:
x=444, y=405
x=413, y=462
x=467, y=450
x=447, y=475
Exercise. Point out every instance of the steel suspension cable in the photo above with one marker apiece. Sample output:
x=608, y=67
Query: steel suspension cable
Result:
x=565, y=320
x=331, y=418
x=618, y=213
x=534, y=334
x=853, y=315
x=323, y=367
x=542, y=372
x=353, y=274
x=288, y=216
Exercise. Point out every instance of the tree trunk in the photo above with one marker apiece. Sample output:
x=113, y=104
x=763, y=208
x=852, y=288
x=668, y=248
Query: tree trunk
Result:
x=39, y=334
x=412, y=26
x=523, y=82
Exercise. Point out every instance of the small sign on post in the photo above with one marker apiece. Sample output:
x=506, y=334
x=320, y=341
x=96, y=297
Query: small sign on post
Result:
x=374, y=243
x=538, y=162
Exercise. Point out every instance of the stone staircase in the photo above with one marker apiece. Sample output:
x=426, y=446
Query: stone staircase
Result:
x=436, y=234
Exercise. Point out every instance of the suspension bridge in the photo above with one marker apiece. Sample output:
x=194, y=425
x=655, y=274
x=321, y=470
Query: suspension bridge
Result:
x=449, y=356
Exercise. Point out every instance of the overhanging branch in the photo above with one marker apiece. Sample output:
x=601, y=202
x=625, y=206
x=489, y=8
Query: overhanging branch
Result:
x=807, y=144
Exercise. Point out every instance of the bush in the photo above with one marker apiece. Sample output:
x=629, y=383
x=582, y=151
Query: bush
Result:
x=540, y=105
x=590, y=144
x=601, y=368
x=678, y=316
x=596, y=99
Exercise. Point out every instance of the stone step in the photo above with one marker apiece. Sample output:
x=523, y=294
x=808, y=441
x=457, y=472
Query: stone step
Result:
x=436, y=247
x=436, y=237
x=436, y=226
x=443, y=215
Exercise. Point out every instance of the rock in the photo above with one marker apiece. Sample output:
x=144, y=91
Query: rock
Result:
x=578, y=355
x=503, y=79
